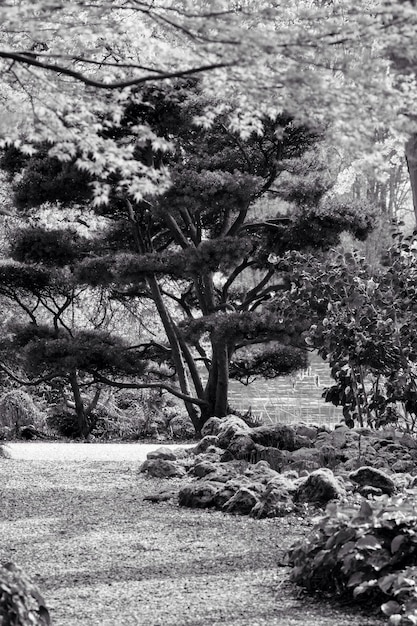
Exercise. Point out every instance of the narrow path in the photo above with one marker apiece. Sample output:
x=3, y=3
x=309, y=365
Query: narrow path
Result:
x=61, y=451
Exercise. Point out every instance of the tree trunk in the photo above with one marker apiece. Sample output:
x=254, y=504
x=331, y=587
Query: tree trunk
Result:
x=411, y=157
x=177, y=355
x=82, y=421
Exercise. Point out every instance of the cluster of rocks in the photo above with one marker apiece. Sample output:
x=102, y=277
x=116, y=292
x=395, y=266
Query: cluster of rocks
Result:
x=269, y=470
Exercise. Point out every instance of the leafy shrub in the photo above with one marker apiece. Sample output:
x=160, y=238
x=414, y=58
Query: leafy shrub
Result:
x=64, y=423
x=365, y=553
x=128, y=415
x=18, y=409
x=21, y=604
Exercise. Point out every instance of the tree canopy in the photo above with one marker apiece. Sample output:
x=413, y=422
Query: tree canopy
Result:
x=63, y=67
x=207, y=252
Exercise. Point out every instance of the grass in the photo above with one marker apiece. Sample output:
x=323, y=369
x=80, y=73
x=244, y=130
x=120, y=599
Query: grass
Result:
x=102, y=556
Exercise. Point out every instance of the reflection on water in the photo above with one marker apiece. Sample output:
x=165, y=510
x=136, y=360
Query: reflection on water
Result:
x=289, y=398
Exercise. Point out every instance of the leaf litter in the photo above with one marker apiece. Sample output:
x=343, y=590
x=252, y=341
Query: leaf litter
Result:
x=102, y=556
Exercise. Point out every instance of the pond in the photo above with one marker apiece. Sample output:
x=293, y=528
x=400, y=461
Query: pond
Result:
x=289, y=399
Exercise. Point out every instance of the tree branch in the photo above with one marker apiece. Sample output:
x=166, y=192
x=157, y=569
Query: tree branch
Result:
x=121, y=84
x=172, y=390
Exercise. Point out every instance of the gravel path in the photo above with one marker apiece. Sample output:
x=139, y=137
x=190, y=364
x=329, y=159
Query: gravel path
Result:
x=61, y=451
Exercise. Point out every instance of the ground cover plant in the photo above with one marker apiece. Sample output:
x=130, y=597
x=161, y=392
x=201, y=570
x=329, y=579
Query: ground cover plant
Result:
x=367, y=553
x=100, y=554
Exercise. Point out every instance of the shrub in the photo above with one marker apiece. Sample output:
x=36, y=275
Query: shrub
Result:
x=18, y=409
x=21, y=604
x=64, y=423
x=365, y=553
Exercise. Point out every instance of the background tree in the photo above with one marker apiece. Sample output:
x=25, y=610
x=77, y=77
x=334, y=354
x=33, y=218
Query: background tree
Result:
x=205, y=252
x=55, y=341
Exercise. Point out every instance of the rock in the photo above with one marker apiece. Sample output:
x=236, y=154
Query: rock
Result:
x=408, y=441
x=276, y=501
x=278, y=436
x=225, y=472
x=162, y=453
x=302, y=457
x=198, y=495
x=226, y=491
x=310, y=432
x=284, y=482
x=277, y=459
x=162, y=468
x=403, y=465
x=241, y=502
x=261, y=472
x=211, y=427
x=229, y=428
x=373, y=477
x=5, y=452
x=162, y=496
x=366, y=491
x=203, y=468
x=241, y=446
x=204, y=443
x=319, y=487
x=181, y=427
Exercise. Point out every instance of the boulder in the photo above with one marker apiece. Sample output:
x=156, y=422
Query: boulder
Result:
x=408, y=441
x=229, y=428
x=310, y=432
x=370, y=476
x=278, y=436
x=403, y=465
x=203, y=468
x=226, y=491
x=277, y=459
x=224, y=472
x=261, y=472
x=275, y=501
x=242, y=502
x=162, y=453
x=241, y=446
x=162, y=468
x=319, y=487
x=303, y=458
x=181, y=427
x=162, y=496
x=198, y=495
x=211, y=427
x=5, y=452
x=204, y=443
x=367, y=491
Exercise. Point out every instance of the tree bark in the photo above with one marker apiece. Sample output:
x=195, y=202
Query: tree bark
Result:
x=83, y=425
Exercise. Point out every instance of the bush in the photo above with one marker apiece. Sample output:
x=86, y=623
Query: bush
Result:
x=64, y=423
x=128, y=415
x=21, y=604
x=18, y=409
x=365, y=553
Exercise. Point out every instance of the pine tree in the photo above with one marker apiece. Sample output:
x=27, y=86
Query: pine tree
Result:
x=209, y=252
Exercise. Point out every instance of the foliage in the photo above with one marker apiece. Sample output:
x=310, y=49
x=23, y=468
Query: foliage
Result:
x=21, y=604
x=44, y=350
x=129, y=415
x=52, y=247
x=367, y=553
x=365, y=328
x=17, y=409
x=267, y=361
x=193, y=248
x=63, y=66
